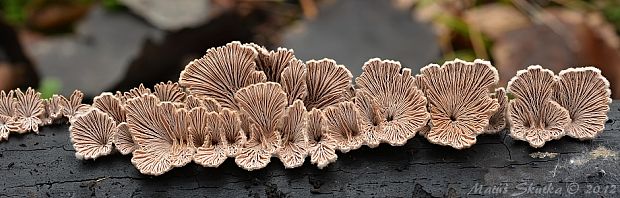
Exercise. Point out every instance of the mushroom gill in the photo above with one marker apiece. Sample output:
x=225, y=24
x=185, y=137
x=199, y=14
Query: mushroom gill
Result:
x=73, y=106
x=327, y=83
x=585, y=93
x=8, y=123
x=293, y=81
x=28, y=110
x=234, y=139
x=294, y=145
x=532, y=115
x=498, y=121
x=206, y=130
x=321, y=146
x=160, y=131
x=264, y=105
x=402, y=104
x=272, y=63
x=371, y=119
x=91, y=134
x=113, y=106
x=137, y=92
x=221, y=72
x=343, y=124
x=169, y=92
x=459, y=101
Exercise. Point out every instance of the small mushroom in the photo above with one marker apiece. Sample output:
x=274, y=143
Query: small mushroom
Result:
x=371, y=120
x=7, y=119
x=170, y=92
x=532, y=115
x=585, y=93
x=206, y=130
x=294, y=145
x=73, y=106
x=52, y=109
x=264, y=105
x=343, y=124
x=293, y=81
x=234, y=139
x=459, y=101
x=498, y=121
x=91, y=134
x=137, y=92
x=272, y=63
x=113, y=106
x=28, y=110
x=321, y=146
x=327, y=83
x=221, y=72
x=402, y=104
x=160, y=131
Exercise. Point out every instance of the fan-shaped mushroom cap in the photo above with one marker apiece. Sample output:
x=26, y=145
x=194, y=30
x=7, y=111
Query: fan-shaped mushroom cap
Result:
x=532, y=115
x=169, y=92
x=209, y=103
x=234, y=139
x=123, y=140
x=52, y=110
x=459, y=101
x=7, y=121
x=371, y=119
x=91, y=134
x=327, y=83
x=402, y=105
x=137, y=92
x=293, y=81
x=73, y=106
x=160, y=131
x=28, y=110
x=113, y=106
x=221, y=72
x=272, y=63
x=7, y=103
x=293, y=149
x=585, y=93
x=498, y=121
x=321, y=146
x=343, y=125
x=206, y=130
x=264, y=105
x=7, y=125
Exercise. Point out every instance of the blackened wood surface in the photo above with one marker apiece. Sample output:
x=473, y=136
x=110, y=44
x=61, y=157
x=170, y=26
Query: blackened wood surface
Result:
x=44, y=165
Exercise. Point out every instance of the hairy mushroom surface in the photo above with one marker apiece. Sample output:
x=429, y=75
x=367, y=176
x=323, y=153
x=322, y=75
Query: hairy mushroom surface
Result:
x=498, y=121
x=28, y=110
x=206, y=130
x=264, y=105
x=327, y=83
x=221, y=72
x=459, y=101
x=160, y=131
x=73, y=106
x=293, y=81
x=91, y=134
x=7, y=119
x=343, y=125
x=113, y=106
x=170, y=92
x=402, y=105
x=294, y=145
x=532, y=115
x=585, y=93
x=321, y=146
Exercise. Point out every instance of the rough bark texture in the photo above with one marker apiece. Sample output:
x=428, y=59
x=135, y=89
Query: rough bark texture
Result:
x=44, y=165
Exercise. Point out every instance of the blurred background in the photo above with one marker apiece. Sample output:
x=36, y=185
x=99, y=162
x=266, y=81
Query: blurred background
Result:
x=107, y=45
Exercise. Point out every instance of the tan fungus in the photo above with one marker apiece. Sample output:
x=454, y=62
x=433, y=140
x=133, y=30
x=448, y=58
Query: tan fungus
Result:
x=169, y=92
x=136, y=92
x=371, y=119
x=206, y=130
x=293, y=81
x=73, y=106
x=272, y=63
x=294, y=145
x=321, y=146
x=91, y=134
x=28, y=110
x=498, y=121
x=113, y=106
x=327, y=83
x=343, y=125
x=459, y=101
x=8, y=123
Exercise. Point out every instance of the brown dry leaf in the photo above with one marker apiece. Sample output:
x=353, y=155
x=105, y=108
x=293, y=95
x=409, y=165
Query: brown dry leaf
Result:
x=28, y=110
x=402, y=105
x=321, y=146
x=73, y=106
x=327, y=83
x=170, y=92
x=206, y=131
x=343, y=124
x=264, y=105
x=459, y=101
x=532, y=115
x=160, y=131
x=293, y=149
x=293, y=81
x=371, y=120
x=91, y=134
x=498, y=121
x=221, y=72
x=585, y=93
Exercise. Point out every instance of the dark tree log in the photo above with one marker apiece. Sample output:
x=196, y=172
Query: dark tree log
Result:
x=44, y=165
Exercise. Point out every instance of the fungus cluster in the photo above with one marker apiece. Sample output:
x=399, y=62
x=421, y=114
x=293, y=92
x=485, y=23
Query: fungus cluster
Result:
x=248, y=103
